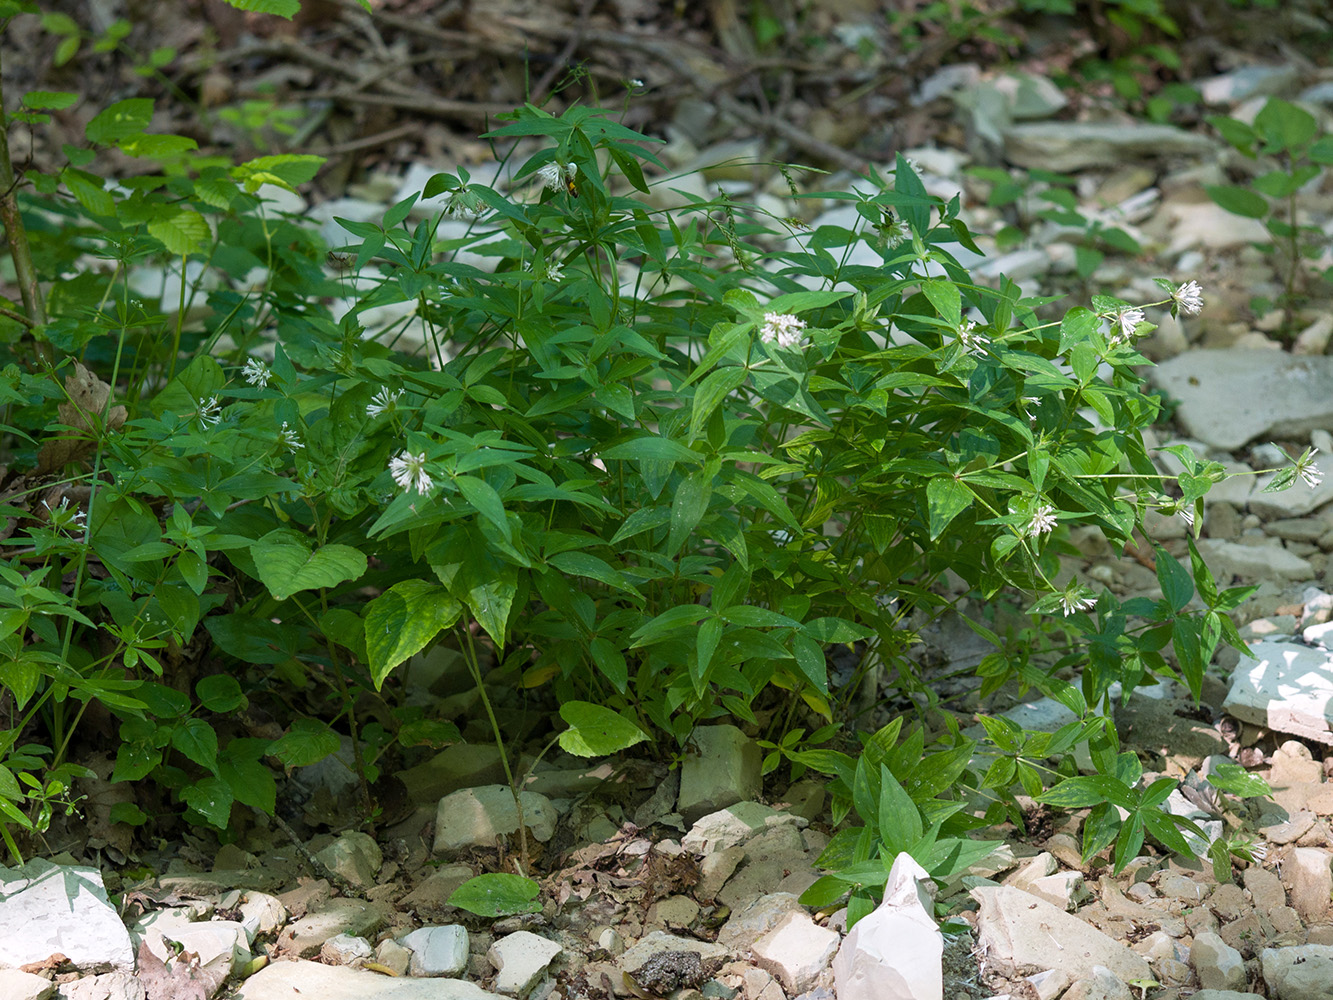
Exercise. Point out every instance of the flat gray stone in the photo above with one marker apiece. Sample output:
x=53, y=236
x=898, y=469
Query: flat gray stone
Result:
x=438, y=951
x=1304, y=972
x=46, y=908
x=1229, y=398
x=734, y=825
x=720, y=769
x=1069, y=146
x=305, y=937
x=313, y=981
x=111, y=986
x=1254, y=562
x=1285, y=686
x=355, y=856
x=1023, y=934
x=476, y=817
x=520, y=960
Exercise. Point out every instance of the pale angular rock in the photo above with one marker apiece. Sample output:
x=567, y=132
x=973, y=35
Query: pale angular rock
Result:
x=1224, y=995
x=895, y=953
x=723, y=771
x=1248, y=81
x=344, y=949
x=1285, y=686
x=1063, y=889
x=520, y=959
x=1218, y=965
x=747, y=926
x=46, y=908
x=438, y=951
x=432, y=895
x=476, y=817
x=714, y=871
x=355, y=856
x=1049, y=984
x=222, y=945
x=796, y=951
x=393, y=955
x=261, y=914
x=659, y=942
x=287, y=980
x=1304, y=972
x=1230, y=397
x=1071, y=146
x=1310, y=878
x=1255, y=562
x=111, y=986
x=1103, y=984
x=15, y=985
x=303, y=938
x=1025, y=934
x=734, y=825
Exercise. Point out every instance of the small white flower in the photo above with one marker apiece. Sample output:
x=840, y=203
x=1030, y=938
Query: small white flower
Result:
x=554, y=270
x=382, y=401
x=465, y=206
x=288, y=438
x=555, y=175
x=1032, y=401
x=893, y=232
x=1189, y=297
x=784, y=329
x=209, y=412
x=61, y=516
x=256, y=373
x=912, y=165
x=636, y=83
x=970, y=337
x=1043, y=520
x=1307, y=470
x=1074, y=599
x=409, y=472
x=1126, y=321
x=1186, y=512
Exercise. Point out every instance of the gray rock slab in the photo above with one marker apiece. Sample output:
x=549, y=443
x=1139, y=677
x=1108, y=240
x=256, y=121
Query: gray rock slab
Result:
x=660, y=941
x=721, y=770
x=1304, y=972
x=520, y=960
x=1068, y=146
x=1023, y=934
x=476, y=817
x=111, y=986
x=1254, y=562
x=438, y=951
x=355, y=856
x=1231, y=397
x=304, y=938
x=1285, y=686
x=46, y=908
x=463, y=765
x=734, y=825
x=313, y=981
x=15, y=985
x=796, y=951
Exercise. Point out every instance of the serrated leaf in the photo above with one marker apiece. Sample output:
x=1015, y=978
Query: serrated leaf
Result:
x=183, y=232
x=211, y=798
x=287, y=569
x=219, y=693
x=120, y=121
x=196, y=739
x=596, y=731
x=307, y=742
x=402, y=620
x=278, y=8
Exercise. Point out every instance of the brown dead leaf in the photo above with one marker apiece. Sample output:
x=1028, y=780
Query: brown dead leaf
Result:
x=49, y=964
x=184, y=980
x=88, y=398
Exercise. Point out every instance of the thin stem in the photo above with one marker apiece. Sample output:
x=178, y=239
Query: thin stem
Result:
x=19, y=250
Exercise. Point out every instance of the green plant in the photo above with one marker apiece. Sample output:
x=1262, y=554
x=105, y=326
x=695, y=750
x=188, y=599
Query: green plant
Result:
x=664, y=461
x=1291, y=137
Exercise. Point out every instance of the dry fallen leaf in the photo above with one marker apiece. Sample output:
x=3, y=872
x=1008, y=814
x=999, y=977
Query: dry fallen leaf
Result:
x=184, y=980
x=88, y=397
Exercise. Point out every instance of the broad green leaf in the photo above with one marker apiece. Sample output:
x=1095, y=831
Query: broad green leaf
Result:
x=219, y=693
x=211, y=798
x=308, y=741
x=279, y=8
x=1284, y=126
x=1235, y=779
x=596, y=731
x=120, y=121
x=688, y=507
x=402, y=620
x=899, y=818
x=433, y=733
x=196, y=739
x=182, y=232
x=135, y=760
x=653, y=449
x=1238, y=200
x=50, y=100
x=946, y=498
x=583, y=564
x=287, y=569
x=710, y=392
x=611, y=662
x=1177, y=587
x=943, y=295
x=251, y=782
x=497, y=894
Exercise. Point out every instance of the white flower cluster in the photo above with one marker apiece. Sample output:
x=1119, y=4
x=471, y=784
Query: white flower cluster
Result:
x=1043, y=520
x=209, y=413
x=783, y=329
x=1307, y=470
x=971, y=338
x=555, y=175
x=409, y=472
x=256, y=373
x=382, y=401
x=1123, y=325
x=465, y=206
x=1189, y=297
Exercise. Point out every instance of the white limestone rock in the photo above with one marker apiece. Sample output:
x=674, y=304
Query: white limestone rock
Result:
x=47, y=908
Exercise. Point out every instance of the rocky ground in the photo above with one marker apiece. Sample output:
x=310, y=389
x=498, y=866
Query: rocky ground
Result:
x=685, y=883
